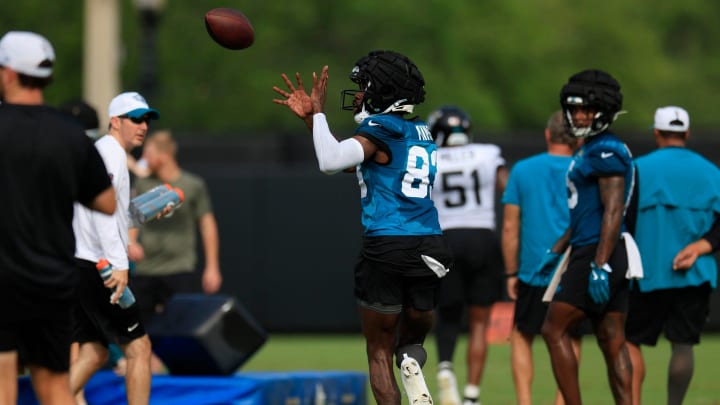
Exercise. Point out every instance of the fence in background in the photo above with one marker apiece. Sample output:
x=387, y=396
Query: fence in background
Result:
x=290, y=235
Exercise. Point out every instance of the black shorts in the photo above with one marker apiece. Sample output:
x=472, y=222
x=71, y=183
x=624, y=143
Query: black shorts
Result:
x=96, y=320
x=43, y=340
x=391, y=275
x=573, y=287
x=153, y=292
x=680, y=312
x=476, y=277
x=530, y=312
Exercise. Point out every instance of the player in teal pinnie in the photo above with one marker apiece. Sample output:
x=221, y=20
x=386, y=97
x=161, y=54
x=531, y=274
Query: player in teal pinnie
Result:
x=403, y=254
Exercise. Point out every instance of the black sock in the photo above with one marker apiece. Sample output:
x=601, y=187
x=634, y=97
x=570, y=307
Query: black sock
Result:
x=680, y=372
x=447, y=330
x=416, y=351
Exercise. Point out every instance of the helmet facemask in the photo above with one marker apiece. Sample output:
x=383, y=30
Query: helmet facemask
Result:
x=600, y=122
x=594, y=90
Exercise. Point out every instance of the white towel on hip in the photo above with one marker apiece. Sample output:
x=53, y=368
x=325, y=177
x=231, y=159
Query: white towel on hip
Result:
x=634, y=270
x=635, y=267
x=562, y=266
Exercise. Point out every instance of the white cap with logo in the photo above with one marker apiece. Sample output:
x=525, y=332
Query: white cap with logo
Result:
x=131, y=104
x=27, y=53
x=672, y=118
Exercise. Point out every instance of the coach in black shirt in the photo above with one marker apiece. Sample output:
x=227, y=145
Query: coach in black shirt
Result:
x=46, y=163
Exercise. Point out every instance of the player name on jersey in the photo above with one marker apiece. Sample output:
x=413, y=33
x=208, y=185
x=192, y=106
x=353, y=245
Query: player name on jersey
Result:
x=464, y=191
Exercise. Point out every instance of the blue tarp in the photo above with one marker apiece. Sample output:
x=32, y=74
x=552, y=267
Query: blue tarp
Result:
x=301, y=387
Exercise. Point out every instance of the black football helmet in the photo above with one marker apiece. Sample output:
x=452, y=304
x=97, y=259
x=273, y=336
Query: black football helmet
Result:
x=591, y=88
x=389, y=82
x=449, y=126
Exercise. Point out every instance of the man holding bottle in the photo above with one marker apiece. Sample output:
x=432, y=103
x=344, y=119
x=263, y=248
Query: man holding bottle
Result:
x=99, y=320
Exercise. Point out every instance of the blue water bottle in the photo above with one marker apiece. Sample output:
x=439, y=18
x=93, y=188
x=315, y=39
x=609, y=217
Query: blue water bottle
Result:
x=145, y=197
x=151, y=209
x=127, y=298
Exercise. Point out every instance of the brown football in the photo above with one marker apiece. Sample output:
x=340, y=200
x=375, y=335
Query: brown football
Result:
x=229, y=28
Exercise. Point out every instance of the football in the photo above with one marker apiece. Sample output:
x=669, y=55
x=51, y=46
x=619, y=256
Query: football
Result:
x=229, y=28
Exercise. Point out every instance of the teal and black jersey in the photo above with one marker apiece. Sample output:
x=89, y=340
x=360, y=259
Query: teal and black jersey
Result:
x=601, y=155
x=395, y=196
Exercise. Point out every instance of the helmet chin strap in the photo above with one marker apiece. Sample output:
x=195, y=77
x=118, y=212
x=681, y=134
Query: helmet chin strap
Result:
x=395, y=107
x=360, y=116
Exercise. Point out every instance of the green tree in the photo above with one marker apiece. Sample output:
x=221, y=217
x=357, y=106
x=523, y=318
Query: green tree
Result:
x=504, y=62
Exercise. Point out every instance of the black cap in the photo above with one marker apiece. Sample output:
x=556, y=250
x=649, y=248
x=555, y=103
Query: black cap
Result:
x=83, y=112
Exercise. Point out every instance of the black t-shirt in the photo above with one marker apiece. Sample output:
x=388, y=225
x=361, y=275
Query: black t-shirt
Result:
x=46, y=164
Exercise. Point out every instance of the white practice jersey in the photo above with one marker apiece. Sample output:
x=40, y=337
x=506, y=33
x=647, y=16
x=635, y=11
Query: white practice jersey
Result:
x=98, y=235
x=464, y=191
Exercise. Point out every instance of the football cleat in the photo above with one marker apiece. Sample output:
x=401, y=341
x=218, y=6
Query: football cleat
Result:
x=471, y=395
x=414, y=382
x=447, y=388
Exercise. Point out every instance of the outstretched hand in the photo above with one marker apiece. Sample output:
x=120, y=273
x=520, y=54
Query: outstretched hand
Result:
x=297, y=99
x=319, y=90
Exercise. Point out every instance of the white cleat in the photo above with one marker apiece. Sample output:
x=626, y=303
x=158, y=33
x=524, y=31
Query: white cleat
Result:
x=447, y=385
x=414, y=382
x=472, y=395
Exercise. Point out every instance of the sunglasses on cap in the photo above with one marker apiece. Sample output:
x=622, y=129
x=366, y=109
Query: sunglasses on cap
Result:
x=136, y=120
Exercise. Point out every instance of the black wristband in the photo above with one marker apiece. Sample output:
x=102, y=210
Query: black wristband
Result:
x=509, y=275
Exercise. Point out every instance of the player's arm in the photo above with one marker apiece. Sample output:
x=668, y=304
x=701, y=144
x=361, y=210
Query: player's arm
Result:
x=501, y=178
x=333, y=155
x=709, y=243
x=212, y=278
x=511, y=246
x=105, y=201
x=631, y=212
x=612, y=196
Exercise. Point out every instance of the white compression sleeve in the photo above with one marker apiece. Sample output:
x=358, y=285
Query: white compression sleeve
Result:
x=333, y=155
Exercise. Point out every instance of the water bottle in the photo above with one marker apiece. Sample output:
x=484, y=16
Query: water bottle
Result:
x=150, y=209
x=127, y=298
x=145, y=197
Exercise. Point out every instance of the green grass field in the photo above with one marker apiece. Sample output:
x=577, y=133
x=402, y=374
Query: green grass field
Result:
x=347, y=352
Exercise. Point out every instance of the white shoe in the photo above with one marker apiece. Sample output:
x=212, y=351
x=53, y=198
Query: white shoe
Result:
x=414, y=382
x=447, y=388
x=471, y=395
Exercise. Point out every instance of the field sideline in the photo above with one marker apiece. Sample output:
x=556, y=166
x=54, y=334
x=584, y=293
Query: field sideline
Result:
x=347, y=352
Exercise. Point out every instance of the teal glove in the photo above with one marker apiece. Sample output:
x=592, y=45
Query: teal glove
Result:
x=599, y=285
x=546, y=269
